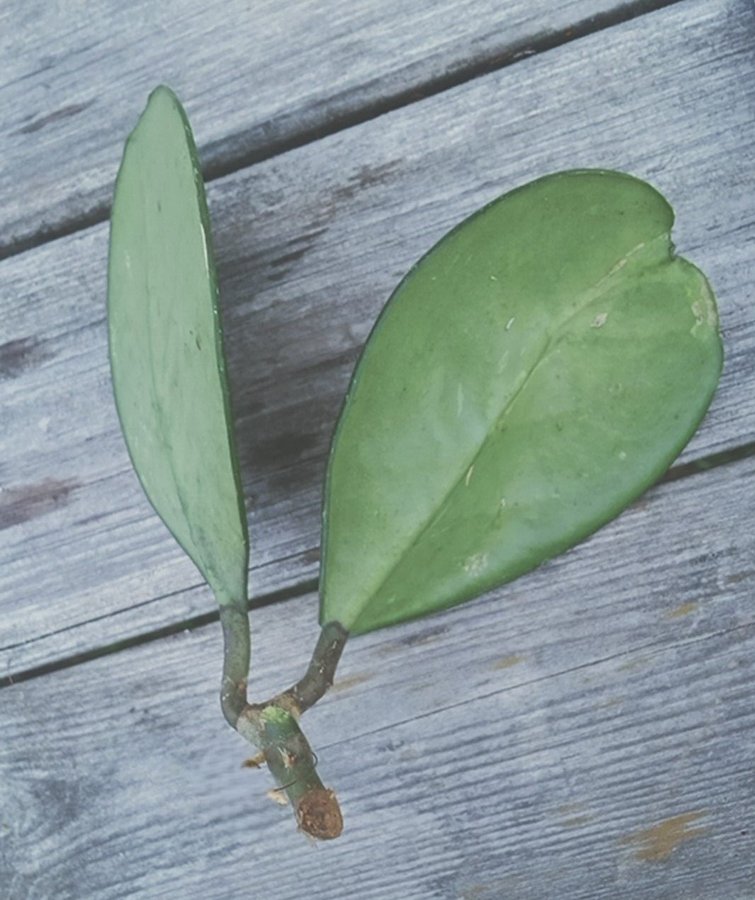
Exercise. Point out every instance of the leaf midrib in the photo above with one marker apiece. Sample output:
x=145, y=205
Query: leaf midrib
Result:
x=593, y=294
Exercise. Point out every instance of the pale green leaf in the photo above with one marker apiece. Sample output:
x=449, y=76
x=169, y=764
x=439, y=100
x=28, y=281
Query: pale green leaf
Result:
x=166, y=348
x=533, y=374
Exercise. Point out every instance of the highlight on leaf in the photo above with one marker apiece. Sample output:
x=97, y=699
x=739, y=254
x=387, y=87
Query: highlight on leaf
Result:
x=171, y=391
x=166, y=348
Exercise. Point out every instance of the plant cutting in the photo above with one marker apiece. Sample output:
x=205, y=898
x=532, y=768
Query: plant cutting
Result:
x=534, y=373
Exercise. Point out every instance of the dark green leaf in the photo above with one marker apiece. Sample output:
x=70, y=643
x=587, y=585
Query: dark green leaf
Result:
x=166, y=347
x=533, y=374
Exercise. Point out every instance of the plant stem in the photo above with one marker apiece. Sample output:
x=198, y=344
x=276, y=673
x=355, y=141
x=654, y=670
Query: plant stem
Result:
x=273, y=727
x=322, y=667
x=236, y=656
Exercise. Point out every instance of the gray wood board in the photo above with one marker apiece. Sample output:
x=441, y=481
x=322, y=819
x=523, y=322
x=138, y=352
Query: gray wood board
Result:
x=310, y=244
x=254, y=76
x=585, y=732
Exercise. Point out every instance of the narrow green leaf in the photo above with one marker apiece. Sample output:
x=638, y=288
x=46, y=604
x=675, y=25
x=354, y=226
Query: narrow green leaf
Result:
x=166, y=349
x=535, y=372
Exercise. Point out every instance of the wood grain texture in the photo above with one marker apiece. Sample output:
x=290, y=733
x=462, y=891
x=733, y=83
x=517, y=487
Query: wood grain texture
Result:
x=310, y=244
x=254, y=77
x=583, y=733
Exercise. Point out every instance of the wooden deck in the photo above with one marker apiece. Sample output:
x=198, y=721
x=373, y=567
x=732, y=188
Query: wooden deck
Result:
x=587, y=731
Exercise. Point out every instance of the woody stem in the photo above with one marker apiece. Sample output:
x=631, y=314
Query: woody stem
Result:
x=273, y=726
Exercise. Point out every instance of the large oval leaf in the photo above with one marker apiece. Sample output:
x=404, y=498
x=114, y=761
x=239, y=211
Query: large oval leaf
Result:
x=166, y=349
x=536, y=371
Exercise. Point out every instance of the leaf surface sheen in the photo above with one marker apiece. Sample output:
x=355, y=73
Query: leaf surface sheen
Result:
x=536, y=371
x=166, y=348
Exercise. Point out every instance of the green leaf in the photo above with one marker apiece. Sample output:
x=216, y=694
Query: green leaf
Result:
x=166, y=349
x=535, y=372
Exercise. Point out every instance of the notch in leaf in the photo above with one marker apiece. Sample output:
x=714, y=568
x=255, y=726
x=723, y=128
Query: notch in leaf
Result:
x=535, y=372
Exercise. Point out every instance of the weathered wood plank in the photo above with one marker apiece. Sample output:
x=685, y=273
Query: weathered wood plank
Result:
x=594, y=740
x=254, y=78
x=310, y=245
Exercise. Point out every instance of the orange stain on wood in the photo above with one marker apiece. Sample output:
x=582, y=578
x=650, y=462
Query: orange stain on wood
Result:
x=576, y=821
x=684, y=610
x=574, y=815
x=657, y=843
x=508, y=661
x=343, y=684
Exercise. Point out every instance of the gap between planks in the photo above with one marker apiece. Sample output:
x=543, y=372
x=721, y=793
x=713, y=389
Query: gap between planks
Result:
x=638, y=649
x=146, y=627
x=462, y=73
x=299, y=589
